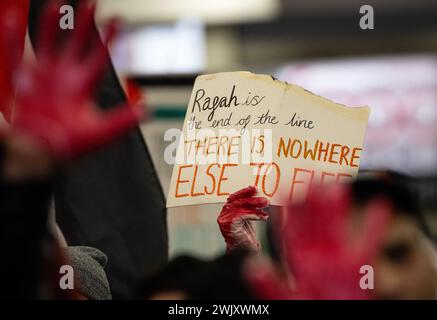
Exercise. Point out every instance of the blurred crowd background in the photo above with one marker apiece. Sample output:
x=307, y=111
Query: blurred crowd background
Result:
x=317, y=44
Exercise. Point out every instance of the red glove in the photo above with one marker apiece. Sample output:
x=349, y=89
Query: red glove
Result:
x=265, y=281
x=320, y=253
x=234, y=220
x=54, y=96
x=13, y=15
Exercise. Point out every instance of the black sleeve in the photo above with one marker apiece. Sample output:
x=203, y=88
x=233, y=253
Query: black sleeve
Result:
x=112, y=199
x=24, y=211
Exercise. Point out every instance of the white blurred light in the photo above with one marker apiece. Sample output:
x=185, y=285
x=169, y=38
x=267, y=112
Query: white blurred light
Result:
x=401, y=94
x=162, y=49
x=209, y=11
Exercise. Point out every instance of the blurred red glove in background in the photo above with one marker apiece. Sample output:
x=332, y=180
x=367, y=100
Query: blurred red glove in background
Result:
x=323, y=254
x=54, y=103
x=234, y=220
x=13, y=15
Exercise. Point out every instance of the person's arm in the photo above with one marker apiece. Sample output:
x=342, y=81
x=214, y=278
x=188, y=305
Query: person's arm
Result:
x=24, y=204
x=53, y=122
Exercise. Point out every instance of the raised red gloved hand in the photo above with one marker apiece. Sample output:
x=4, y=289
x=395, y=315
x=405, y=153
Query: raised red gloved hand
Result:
x=13, y=14
x=54, y=103
x=234, y=220
x=320, y=251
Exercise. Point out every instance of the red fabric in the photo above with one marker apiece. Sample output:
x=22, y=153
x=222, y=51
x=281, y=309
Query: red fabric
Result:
x=12, y=13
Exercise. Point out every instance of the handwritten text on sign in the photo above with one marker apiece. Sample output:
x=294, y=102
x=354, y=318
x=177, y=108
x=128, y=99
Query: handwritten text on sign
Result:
x=244, y=129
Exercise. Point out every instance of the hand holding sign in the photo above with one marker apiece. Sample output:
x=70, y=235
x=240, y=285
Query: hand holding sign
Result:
x=236, y=216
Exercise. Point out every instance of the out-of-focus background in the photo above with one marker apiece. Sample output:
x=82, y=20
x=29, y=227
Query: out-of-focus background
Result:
x=317, y=44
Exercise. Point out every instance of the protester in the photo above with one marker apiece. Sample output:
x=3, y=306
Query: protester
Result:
x=321, y=244
x=323, y=247
x=128, y=223
x=404, y=262
x=53, y=122
x=406, y=267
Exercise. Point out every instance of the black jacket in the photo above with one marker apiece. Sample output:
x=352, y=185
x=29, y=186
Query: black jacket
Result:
x=112, y=199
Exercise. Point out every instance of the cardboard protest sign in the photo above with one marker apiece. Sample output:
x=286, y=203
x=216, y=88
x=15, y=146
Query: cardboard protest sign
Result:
x=245, y=129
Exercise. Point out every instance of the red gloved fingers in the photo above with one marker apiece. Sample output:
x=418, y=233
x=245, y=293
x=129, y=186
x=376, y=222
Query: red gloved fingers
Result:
x=337, y=208
x=376, y=217
x=79, y=45
x=252, y=202
x=243, y=193
x=332, y=214
x=320, y=216
x=11, y=40
x=6, y=91
x=264, y=281
x=81, y=33
x=228, y=216
x=12, y=33
x=48, y=34
x=319, y=248
x=257, y=216
x=109, y=126
x=231, y=213
x=54, y=96
x=316, y=227
x=86, y=137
